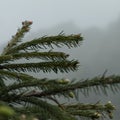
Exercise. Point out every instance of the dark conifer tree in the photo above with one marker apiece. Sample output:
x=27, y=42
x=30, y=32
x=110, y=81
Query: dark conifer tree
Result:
x=25, y=97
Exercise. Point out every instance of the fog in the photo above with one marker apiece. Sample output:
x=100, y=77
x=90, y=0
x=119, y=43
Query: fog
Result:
x=47, y=13
x=98, y=21
x=98, y=52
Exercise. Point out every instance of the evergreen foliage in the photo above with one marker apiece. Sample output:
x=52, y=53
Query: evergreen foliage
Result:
x=28, y=98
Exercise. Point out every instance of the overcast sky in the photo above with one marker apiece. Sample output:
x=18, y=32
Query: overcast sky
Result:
x=47, y=13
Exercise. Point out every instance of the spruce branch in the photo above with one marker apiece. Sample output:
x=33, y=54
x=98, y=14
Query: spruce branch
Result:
x=16, y=76
x=42, y=84
x=97, y=106
x=56, y=101
x=17, y=37
x=62, y=66
x=97, y=82
x=2, y=84
x=30, y=96
x=53, y=110
x=91, y=110
x=40, y=43
x=89, y=114
x=31, y=55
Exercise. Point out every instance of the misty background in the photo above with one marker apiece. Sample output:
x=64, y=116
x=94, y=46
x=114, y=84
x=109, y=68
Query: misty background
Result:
x=97, y=20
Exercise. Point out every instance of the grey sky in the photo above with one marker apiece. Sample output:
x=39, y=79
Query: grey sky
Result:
x=46, y=13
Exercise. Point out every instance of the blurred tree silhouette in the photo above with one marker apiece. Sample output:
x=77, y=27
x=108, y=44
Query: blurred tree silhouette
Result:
x=29, y=98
